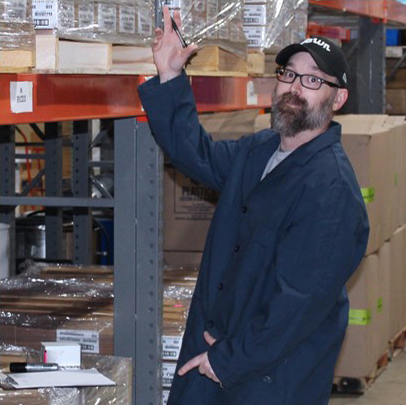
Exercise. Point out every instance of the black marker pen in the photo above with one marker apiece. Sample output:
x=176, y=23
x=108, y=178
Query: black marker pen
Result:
x=176, y=29
x=31, y=367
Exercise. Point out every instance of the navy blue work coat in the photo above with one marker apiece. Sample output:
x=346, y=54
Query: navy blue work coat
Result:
x=271, y=287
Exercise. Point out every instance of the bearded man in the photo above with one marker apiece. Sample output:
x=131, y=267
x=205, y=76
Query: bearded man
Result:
x=270, y=308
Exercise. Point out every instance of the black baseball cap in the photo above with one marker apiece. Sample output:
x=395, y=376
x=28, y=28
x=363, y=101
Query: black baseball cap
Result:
x=328, y=56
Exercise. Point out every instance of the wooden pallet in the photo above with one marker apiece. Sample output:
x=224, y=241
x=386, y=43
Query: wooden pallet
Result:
x=215, y=61
x=351, y=385
x=56, y=55
x=397, y=343
x=16, y=61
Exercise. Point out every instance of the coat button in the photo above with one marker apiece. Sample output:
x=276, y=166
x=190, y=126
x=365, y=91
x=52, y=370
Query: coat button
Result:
x=210, y=324
x=220, y=286
x=267, y=379
x=236, y=248
x=244, y=209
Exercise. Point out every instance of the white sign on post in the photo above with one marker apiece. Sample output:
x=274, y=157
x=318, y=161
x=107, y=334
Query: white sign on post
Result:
x=21, y=97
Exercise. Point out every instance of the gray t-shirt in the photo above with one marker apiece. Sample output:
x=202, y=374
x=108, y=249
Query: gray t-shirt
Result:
x=275, y=159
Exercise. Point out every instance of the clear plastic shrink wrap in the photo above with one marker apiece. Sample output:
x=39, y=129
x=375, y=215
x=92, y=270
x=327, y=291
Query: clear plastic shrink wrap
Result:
x=128, y=22
x=118, y=369
x=179, y=284
x=212, y=22
x=41, y=305
x=16, y=26
x=274, y=23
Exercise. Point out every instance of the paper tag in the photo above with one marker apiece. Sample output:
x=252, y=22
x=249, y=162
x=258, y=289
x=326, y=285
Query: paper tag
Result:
x=165, y=396
x=86, y=15
x=255, y=15
x=252, y=97
x=107, y=17
x=15, y=10
x=144, y=20
x=171, y=347
x=21, y=97
x=127, y=19
x=45, y=14
x=88, y=340
x=168, y=372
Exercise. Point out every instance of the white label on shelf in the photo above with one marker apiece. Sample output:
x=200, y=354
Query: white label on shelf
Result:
x=127, y=19
x=252, y=97
x=86, y=15
x=21, y=97
x=15, y=10
x=165, y=396
x=89, y=340
x=45, y=14
x=107, y=17
x=168, y=372
x=171, y=347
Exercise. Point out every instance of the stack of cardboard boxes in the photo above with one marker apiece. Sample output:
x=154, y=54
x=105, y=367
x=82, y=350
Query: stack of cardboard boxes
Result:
x=374, y=144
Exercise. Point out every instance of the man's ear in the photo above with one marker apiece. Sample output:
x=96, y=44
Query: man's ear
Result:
x=340, y=99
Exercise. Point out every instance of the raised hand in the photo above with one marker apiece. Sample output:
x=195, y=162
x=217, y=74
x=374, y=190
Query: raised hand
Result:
x=169, y=55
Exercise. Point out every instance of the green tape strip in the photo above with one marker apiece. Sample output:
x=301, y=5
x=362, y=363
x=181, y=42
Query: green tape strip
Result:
x=379, y=305
x=368, y=194
x=359, y=317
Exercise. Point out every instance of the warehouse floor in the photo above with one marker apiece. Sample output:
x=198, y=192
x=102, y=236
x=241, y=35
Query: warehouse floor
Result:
x=388, y=389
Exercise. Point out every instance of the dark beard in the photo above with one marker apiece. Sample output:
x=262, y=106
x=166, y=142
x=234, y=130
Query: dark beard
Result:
x=289, y=121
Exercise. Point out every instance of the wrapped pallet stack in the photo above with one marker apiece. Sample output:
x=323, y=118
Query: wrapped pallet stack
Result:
x=179, y=284
x=216, y=26
x=17, y=36
x=271, y=25
x=58, y=303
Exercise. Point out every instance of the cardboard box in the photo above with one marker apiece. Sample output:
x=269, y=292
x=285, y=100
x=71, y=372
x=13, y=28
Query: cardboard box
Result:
x=368, y=141
x=397, y=282
x=189, y=206
x=360, y=350
x=396, y=101
x=398, y=127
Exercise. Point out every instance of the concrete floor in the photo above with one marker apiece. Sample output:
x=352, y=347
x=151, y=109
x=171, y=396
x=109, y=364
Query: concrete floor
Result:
x=388, y=389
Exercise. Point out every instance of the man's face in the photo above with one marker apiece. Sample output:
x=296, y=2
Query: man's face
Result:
x=296, y=108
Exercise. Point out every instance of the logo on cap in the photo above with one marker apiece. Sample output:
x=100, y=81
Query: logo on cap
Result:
x=345, y=78
x=318, y=42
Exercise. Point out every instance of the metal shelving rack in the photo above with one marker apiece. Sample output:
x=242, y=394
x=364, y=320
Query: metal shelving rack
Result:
x=138, y=166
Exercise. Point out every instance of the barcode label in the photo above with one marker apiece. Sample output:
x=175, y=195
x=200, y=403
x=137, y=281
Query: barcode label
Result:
x=88, y=340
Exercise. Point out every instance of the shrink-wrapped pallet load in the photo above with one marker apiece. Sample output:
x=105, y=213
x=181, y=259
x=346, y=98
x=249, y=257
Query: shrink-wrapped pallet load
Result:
x=17, y=36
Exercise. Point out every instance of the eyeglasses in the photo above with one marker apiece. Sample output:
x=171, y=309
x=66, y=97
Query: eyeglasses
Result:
x=308, y=81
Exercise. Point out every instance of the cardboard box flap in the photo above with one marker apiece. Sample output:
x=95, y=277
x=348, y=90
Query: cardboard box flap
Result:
x=362, y=124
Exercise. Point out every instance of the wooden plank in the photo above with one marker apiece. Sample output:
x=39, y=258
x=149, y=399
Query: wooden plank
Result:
x=256, y=63
x=132, y=60
x=16, y=61
x=214, y=59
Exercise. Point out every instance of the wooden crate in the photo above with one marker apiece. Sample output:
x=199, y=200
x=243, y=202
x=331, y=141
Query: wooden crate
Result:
x=215, y=61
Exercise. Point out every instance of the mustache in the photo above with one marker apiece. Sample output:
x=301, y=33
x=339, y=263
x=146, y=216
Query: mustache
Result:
x=290, y=98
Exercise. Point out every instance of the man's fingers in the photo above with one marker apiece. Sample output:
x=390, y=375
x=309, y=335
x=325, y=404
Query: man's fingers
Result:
x=167, y=20
x=209, y=338
x=191, y=364
x=178, y=20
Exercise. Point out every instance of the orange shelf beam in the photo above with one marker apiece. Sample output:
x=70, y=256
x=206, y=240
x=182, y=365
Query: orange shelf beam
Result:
x=385, y=10
x=82, y=97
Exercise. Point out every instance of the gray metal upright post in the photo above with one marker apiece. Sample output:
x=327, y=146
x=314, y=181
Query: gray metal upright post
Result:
x=7, y=185
x=367, y=69
x=53, y=182
x=82, y=220
x=138, y=256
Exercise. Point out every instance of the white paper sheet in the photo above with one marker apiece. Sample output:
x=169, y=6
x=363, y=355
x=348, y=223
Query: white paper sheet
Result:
x=61, y=378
